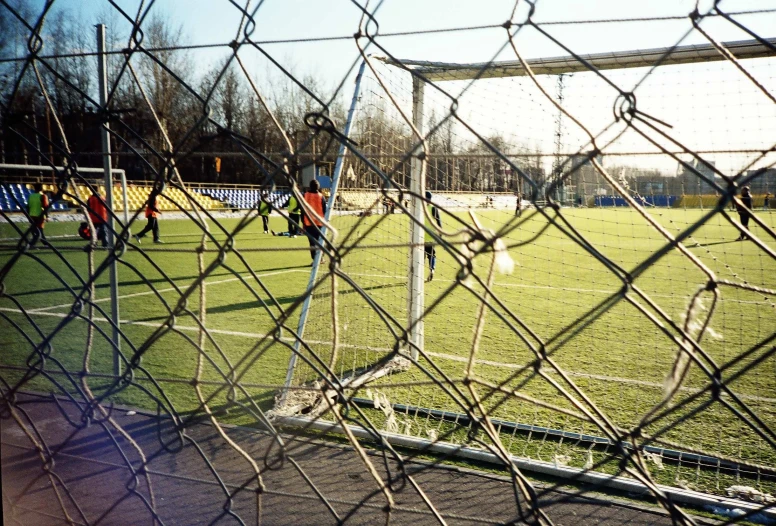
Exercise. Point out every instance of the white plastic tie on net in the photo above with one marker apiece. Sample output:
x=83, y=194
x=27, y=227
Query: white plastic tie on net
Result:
x=391, y=425
x=407, y=426
x=694, y=319
x=589, y=463
x=470, y=247
x=655, y=459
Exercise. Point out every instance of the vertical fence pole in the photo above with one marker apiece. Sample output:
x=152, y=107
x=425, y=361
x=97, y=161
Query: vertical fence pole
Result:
x=317, y=260
x=416, y=302
x=106, y=163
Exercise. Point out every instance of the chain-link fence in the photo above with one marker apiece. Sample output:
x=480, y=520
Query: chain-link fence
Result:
x=563, y=266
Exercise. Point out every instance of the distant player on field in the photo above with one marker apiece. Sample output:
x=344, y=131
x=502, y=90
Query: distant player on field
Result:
x=265, y=209
x=312, y=225
x=745, y=211
x=98, y=213
x=294, y=217
x=429, y=242
x=152, y=214
x=37, y=208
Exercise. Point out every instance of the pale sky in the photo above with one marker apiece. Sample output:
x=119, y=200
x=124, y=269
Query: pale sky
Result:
x=708, y=105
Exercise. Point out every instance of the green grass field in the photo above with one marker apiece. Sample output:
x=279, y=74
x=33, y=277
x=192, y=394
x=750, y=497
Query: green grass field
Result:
x=559, y=295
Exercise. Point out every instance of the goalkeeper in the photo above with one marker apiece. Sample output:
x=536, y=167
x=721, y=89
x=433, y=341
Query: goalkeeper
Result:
x=745, y=212
x=433, y=212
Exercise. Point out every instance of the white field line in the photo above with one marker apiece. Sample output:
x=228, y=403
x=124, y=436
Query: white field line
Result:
x=169, y=289
x=63, y=236
x=254, y=335
x=591, y=376
x=547, y=287
x=451, y=357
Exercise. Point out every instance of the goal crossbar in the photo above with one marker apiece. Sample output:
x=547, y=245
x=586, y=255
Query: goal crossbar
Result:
x=638, y=58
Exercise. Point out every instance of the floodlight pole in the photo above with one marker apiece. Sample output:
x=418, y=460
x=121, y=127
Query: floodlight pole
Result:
x=317, y=260
x=415, y=299
x=106, y=163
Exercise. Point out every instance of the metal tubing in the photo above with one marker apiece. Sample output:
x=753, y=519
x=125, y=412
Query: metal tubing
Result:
x=415, y=300
x=629, y=485
x=640, y=58
x=317, y=260
x=106, y=160
x=506, y=426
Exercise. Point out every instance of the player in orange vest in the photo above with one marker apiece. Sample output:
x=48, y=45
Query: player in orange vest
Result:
x=312, y=225
x=152, y=213
x=98, y=213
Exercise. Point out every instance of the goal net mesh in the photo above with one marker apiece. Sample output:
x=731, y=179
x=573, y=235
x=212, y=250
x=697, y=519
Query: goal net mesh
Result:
x=595, y=284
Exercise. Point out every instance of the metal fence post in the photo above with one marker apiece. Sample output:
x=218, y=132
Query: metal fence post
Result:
x=332, y=200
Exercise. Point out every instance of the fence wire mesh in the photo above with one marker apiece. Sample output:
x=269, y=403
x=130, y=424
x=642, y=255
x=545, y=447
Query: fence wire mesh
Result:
x=510, y=267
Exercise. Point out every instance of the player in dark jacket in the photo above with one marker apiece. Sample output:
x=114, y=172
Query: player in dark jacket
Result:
x=745, y=211
x=429, y=241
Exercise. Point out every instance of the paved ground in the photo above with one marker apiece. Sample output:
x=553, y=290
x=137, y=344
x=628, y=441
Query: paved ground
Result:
x=205, y=481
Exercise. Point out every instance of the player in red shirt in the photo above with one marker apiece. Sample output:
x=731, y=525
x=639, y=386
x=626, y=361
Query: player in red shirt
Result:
x=98, y=213
x=152, y=214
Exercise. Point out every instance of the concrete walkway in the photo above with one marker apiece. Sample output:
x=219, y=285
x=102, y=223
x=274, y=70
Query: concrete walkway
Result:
x=203, y=480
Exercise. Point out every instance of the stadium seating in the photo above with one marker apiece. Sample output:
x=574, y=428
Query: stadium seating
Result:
x=137, y=196
x=647, y=200
x=13, y=197
x=241, y=197
x=359, y=200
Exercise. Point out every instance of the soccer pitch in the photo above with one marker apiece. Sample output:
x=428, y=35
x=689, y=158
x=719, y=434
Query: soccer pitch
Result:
x=562, y=295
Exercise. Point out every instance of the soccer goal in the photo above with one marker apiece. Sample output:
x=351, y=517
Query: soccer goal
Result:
x=584, y=309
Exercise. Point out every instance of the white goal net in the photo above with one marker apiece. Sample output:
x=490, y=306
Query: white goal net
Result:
x=559, y=197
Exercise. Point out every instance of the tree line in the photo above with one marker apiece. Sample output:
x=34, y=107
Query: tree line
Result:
x=208, y=110
x=201, y=110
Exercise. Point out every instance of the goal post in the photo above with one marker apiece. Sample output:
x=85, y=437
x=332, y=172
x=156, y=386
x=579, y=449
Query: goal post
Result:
x=416, y=295
x=644, y=58
x=564, y=301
